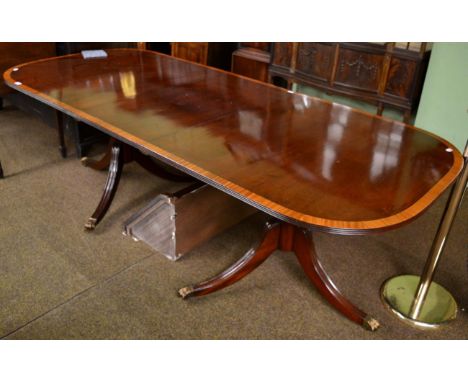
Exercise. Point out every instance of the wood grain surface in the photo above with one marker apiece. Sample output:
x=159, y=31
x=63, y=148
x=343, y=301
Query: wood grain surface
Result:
x=303, y=160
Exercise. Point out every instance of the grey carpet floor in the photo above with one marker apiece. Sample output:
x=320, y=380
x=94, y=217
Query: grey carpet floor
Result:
x=59, y=282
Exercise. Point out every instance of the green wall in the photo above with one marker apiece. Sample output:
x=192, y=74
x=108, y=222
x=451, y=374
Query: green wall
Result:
x=443, y=108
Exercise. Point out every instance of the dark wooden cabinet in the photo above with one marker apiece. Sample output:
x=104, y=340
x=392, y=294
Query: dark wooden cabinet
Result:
x=251, y=59
x=161, y=47
x=216, y=54
x=383, y=74
x=263, y=46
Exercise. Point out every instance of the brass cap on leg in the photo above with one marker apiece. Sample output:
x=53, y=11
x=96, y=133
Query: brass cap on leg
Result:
x=185, y=291
x=90, y=224
x=84, y=161
x=371, y=324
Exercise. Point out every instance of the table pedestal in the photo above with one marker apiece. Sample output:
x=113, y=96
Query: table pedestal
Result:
x=417, y=300
x=285, y=237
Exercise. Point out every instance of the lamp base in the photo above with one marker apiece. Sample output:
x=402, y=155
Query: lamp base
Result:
x=397, y=294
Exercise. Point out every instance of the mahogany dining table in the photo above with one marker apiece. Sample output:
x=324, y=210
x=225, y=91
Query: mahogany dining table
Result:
x=310, y=164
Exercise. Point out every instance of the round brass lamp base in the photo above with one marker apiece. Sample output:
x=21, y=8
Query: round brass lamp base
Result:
x=397, y=294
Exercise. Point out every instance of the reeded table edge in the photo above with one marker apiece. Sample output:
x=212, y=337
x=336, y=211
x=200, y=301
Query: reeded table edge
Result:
x=341, y=227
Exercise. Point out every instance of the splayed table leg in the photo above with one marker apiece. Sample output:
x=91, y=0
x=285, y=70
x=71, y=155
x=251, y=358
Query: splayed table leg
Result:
x=285, y=237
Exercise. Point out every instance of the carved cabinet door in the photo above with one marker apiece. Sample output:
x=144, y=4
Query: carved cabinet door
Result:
x=315, y=59
x=360, y=70
x=282, y=54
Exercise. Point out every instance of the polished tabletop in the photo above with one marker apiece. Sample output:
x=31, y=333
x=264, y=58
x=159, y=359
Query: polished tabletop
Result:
x=304, y=160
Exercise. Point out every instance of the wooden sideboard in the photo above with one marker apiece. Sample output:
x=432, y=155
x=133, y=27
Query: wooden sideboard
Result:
x=386, y=74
